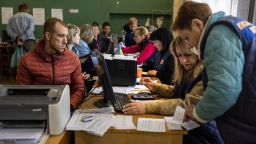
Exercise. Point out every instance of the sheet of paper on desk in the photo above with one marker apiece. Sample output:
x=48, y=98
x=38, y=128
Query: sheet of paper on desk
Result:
x=172, y=124
x=138, y=80
x=175, y=122
x=97, y=90
x=141, y=87
x=179, y=114
x=98, y=125
x=116, y=89
x=123, y=122
x=105, y=110
x=151, y=125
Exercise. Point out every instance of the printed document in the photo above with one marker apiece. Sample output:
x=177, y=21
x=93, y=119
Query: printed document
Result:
x=151, y=125
x=176, y=122
x=123, y=122
x=94, y=123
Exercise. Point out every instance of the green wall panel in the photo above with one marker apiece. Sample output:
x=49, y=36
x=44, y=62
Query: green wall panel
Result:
x=94, y=10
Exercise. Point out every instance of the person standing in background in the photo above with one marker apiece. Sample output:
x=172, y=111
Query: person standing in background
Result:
x=22, y=24
x=129, y=29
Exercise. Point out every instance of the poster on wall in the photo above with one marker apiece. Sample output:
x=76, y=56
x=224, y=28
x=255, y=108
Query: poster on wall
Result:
x=58, y=13
x=7, y=13
x=39, y=15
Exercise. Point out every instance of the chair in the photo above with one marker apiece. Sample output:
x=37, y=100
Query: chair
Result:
x=6, y=37
x=29, y=44
x=6, y=52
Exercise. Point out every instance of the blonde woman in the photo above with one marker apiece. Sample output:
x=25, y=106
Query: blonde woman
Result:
x=87, y=36
x=187, y=90
x=144, y=47
x=73, y=37
x=188, y=84
x=83, y=49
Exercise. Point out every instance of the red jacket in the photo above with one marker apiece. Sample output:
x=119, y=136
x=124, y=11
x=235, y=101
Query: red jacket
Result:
x=148, y=50
x=39, y=68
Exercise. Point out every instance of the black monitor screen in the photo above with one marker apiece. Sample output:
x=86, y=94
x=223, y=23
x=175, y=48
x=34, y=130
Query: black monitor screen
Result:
x=102, y=72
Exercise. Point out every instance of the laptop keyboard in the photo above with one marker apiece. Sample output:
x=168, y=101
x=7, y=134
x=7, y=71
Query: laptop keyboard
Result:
x=120, y=101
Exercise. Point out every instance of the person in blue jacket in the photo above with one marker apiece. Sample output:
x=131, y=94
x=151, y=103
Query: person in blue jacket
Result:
x=228, y=97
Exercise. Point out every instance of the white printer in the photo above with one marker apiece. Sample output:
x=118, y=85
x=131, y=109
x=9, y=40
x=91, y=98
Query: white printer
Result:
x=35, y=105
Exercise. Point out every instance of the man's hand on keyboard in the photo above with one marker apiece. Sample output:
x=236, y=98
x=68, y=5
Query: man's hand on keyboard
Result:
x=134, y=108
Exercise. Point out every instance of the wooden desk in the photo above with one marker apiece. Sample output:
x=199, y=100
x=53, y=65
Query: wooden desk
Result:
x=63, y=138
x=115, y=136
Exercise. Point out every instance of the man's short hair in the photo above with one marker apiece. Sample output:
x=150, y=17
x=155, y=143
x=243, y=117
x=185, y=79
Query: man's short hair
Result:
x=49, y=25
x=23, y=7
x=95, y=24
x=105, y=24
x=188, y=11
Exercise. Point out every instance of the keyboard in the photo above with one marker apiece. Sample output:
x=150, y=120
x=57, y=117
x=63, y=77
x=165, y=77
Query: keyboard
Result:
x=120, y=101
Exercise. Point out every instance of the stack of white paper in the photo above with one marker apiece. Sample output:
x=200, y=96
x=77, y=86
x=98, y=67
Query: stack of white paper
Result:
x=21, y=135
x=97, y=123
x=151, y=125
x=123, y=122
x=176, y=122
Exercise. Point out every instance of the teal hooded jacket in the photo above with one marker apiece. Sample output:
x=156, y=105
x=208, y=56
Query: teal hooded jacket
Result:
x=224, y=62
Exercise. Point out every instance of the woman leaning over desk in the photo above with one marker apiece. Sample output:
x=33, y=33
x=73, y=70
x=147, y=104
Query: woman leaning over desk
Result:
x=187, y=90
x=144, y=47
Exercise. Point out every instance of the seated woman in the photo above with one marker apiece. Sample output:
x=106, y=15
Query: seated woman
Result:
x=80, y=47
x=96, y=43
x=87, y=36
x=187, y=90
x=73, y=37
x=164, y=62
x=144, y=47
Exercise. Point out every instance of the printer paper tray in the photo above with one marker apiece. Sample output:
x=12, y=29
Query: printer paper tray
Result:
x=24, y=135
x=22, y=124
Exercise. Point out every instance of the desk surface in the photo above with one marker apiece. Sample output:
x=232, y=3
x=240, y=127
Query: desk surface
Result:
x=115, y=136
x=63, y=138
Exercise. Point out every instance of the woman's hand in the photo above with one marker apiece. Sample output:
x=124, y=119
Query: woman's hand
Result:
x=148, y=83
x=134, y=108
x=145, y=79
x=86, y=76
x=152, y=72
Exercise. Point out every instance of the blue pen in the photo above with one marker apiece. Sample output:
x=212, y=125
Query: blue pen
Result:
x=87, y=118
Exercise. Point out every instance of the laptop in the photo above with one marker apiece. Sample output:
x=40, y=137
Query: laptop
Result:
x=122, y=70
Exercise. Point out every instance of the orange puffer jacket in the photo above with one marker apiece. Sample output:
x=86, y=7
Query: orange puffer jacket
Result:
x=39, y=68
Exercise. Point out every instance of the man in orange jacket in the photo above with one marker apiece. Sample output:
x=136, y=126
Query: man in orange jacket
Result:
x=51, y=63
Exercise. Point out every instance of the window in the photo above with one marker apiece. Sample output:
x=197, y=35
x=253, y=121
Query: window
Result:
x=228, y=6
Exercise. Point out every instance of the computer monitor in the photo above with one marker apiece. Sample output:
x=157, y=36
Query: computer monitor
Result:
x=102, y=72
